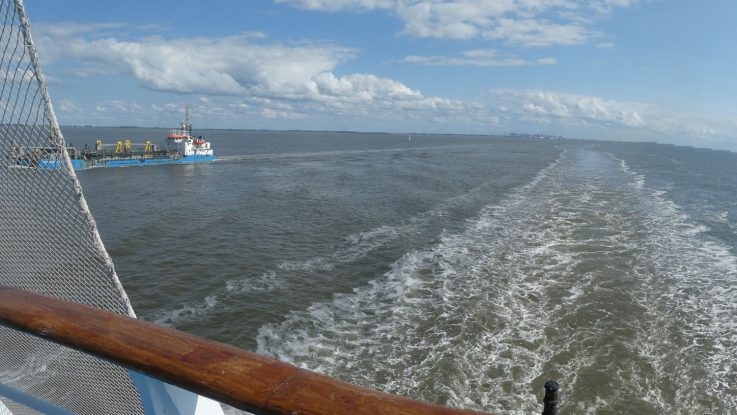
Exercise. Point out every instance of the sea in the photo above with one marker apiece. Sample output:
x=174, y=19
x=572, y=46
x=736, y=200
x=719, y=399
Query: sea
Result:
x=459, y=270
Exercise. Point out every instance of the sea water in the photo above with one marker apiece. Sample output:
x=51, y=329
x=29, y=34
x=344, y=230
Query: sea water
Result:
x=459, y=270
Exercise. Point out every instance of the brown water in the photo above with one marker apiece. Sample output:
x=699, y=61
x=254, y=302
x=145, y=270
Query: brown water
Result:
x=459, y=270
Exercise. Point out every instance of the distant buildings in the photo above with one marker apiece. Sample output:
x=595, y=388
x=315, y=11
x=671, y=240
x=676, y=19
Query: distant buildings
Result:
x=535, y=136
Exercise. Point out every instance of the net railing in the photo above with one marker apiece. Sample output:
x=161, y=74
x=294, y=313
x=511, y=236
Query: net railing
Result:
x=49, y=242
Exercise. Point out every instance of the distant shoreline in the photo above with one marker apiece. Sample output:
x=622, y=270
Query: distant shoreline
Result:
x=508, y=134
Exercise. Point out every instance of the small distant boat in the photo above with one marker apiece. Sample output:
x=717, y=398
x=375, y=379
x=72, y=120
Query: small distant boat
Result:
x=409, y=137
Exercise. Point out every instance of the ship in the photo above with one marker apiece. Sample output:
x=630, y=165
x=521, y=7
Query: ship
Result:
x=181, y=146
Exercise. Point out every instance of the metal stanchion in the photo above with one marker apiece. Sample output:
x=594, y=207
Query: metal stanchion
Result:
x=550, y=402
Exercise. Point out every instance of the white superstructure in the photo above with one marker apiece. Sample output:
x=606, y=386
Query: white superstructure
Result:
x=182, y=141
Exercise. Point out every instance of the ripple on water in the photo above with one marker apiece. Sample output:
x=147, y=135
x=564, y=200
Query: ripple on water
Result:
x=583, y=274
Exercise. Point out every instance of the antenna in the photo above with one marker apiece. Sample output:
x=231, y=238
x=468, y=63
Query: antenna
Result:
x=187, y=126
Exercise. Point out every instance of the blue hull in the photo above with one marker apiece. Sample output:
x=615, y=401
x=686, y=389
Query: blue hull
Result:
x=49, y=164
x=195, y=159
x=81, y=164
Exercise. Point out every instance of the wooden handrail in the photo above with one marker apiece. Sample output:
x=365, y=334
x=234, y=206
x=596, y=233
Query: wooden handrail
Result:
x=225, y=373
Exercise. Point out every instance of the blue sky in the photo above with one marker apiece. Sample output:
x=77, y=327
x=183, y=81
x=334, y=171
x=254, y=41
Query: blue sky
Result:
x=604, y=69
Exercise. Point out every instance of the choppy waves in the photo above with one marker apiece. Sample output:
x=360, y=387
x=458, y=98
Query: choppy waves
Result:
x=583, y=275
x=351, y=248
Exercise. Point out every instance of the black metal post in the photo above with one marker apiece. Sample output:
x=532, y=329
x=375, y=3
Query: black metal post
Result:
x=550, y=402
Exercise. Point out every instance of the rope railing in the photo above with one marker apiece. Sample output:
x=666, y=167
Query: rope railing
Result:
x=234, y=376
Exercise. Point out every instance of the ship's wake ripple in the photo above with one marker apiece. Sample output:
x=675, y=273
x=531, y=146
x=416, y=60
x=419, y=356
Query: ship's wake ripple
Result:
x=584, y=275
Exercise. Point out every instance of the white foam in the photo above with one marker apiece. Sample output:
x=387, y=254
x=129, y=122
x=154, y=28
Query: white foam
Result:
x=479, y=317
x=639, y=180
x=420, y=309
x=356, y=246
x=263, y=283
x=692, y=300
x=721, y=217
x=186, y=312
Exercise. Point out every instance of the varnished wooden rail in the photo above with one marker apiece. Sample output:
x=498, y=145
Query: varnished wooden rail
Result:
x=225, y=373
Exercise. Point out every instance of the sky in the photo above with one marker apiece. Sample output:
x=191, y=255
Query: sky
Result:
x=634, y=70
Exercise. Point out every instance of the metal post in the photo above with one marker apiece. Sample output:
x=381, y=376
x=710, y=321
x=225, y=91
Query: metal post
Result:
x=550, y=402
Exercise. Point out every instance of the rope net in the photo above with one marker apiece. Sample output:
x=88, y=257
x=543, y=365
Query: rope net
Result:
x=49, y=242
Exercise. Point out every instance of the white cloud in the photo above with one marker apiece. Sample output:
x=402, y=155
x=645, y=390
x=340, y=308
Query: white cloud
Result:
x=242, y=66
x=229, y=65
x=244, y=77
x=372, y=103
x=569, y=109
x=476, y=57
x=66, y=105
x=90, y=70
x=531, y=32
x=533, y=23
x=604, y=45
x=596, y=117
x=546, y=61
x=274, y=114
x=68, y=29
x=119, y=105
x=336, y=5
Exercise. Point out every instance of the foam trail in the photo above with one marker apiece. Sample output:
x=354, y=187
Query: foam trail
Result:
x=358, y=245
x=263, y=283
x=186, y=312
x=354, y=247
x=584, y=275
x=409, y=321
x=693, y=304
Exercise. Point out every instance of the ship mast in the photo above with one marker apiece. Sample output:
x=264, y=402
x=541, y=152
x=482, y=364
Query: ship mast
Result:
x=186, y=125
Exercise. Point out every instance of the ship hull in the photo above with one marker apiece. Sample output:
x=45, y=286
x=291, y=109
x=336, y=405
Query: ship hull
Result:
x=138, y=162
